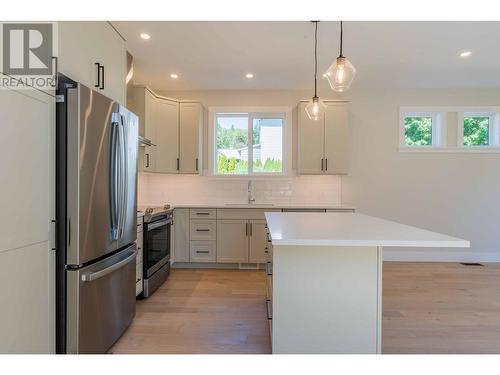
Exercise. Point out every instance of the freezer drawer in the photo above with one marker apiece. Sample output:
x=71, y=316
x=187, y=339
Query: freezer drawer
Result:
x=100, y=302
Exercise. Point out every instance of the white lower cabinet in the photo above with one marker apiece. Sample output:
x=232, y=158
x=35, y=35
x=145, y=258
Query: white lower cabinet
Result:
x=232, y=241
x=257, y=241
x=139, y=259
x=224, y=235
x=181, y=248
x=202, y=251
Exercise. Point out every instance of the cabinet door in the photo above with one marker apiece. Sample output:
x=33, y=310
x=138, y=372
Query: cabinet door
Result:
x=27, y=263
x=110, y=52
x=75, y=59
x=232, y=241
x=181, y=235
x=97, y=43
x=310, y=143
x=148, y=114
x=336, y=139
x=166, y=123
x=258, y=241
x=190, y=126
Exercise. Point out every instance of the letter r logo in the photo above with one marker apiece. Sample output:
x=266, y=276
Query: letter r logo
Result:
x=27, y=48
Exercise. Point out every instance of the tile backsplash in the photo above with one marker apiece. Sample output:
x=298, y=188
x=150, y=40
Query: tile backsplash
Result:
x=156, y=189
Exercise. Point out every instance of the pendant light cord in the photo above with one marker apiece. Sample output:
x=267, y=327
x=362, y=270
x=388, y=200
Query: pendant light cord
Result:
x=341, y=38
x=315, y=58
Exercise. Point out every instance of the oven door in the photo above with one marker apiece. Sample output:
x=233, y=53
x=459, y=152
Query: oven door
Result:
x=156, y=246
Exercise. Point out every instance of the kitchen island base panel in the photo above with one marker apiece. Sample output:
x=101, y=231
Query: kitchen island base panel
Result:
x=326, y=300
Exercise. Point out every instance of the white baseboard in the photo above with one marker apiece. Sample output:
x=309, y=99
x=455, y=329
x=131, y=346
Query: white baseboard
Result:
x=439, y=255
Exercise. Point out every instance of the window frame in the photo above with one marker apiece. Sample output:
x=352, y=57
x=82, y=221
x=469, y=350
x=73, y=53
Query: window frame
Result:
x=493, y=130
x=284, y=113
x=438, y=134
x=450, y=128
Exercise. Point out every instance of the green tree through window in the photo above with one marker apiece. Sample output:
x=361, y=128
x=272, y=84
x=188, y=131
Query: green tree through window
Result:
x=476, y=131
x=418, y=131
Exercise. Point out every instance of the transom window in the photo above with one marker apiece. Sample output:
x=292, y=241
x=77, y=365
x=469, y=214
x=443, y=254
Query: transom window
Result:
x=449, y=129
x=420, y=129
x=249, y=143
x=476, y=129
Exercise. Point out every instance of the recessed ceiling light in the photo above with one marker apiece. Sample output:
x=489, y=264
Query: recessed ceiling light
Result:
x=249, y=75
x=145, y=36
x=465, y=54
x=174, y=75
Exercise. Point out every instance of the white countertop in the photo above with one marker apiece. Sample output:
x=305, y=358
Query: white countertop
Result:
x=351, y=229
x=263, y=206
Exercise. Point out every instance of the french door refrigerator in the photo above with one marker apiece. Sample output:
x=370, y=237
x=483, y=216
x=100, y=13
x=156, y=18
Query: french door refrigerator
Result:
x=96, y=218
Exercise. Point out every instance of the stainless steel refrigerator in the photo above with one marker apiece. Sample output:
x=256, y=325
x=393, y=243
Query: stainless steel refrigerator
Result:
x=96, y=219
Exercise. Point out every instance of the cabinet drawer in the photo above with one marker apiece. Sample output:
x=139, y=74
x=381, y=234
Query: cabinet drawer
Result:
x=347, y=210
x=138, y=287
x=269, y=268
x=205, y=230
x=304, y=210
x=244, y=213
x=138, y=271
x=269, y=288
x=138, y=259
x=269, y=253
x=202, y=251
x=203, y=213
x=140, y=224
x=269, y=305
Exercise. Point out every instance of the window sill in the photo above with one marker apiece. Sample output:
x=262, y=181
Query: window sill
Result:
x=473, y=150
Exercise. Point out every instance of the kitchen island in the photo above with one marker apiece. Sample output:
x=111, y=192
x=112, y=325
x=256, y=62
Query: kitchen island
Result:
x=325, y=278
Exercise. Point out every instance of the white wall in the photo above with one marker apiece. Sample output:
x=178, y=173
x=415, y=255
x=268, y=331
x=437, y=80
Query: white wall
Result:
x=456, y=194
x=453, y=193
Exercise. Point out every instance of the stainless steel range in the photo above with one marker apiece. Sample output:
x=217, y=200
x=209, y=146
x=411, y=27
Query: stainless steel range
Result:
x=156, y=247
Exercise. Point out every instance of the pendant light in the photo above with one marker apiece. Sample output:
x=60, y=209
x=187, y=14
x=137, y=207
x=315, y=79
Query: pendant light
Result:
x=341, y=73
x=315, y=108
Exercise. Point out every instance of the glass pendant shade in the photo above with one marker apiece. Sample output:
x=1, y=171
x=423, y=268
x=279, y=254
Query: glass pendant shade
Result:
x=340, y=74
x=315, y=109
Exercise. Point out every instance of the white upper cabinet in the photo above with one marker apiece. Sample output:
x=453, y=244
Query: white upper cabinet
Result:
x=323, y=146
x=93, y=54
x=311, y=143
x=175, y=129
x=336, y=139
x=166, y=136
x=190, y=137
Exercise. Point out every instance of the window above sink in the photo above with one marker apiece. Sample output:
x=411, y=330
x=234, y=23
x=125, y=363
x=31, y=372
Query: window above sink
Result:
x=249, y=142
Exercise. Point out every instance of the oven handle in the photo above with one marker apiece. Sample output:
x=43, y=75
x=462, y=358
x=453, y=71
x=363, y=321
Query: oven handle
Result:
x=159, y=223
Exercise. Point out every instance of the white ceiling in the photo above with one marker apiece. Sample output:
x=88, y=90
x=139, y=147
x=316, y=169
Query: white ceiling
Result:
x=216, y=55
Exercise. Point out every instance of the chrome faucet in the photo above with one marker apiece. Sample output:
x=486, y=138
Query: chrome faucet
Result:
x=251, y=199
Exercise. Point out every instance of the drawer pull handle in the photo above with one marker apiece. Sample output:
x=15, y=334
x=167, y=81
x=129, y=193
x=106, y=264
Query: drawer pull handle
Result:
x=203, y=213
x=269, y=269
x=202, y=251
x=268, y=308
x=203, y=230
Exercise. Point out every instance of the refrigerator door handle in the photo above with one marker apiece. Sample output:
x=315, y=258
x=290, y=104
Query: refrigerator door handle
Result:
x=91, y=276
x=114, y=185
x=122, y=177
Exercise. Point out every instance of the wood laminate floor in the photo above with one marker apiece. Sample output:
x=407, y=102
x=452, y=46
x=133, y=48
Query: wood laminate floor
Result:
x=427, y=308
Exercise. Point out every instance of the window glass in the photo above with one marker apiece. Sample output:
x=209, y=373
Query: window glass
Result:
x=418, y=131
x=476, y=131
x=267, y=145
x=232, y=144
